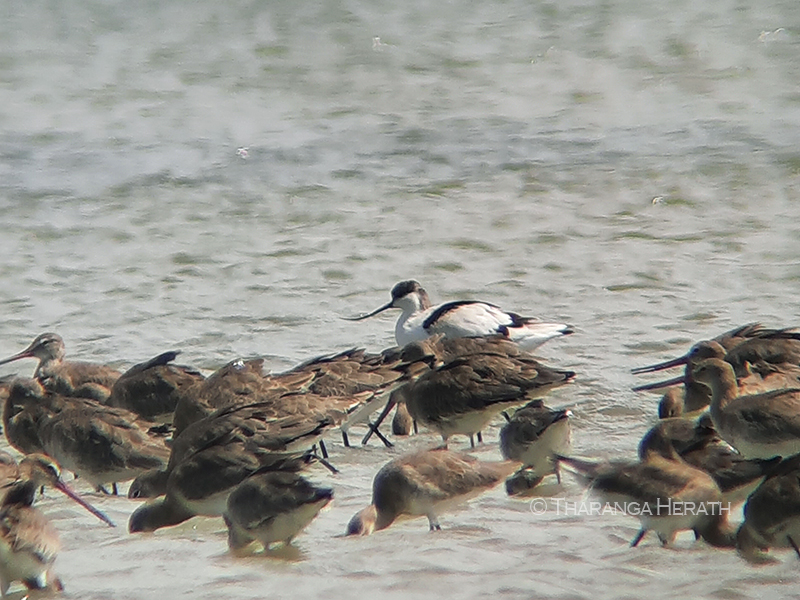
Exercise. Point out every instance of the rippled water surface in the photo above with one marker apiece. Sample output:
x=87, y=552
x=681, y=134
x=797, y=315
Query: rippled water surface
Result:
x=229, y=179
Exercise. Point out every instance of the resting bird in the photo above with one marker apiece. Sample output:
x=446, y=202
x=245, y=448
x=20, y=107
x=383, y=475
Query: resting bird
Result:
x=757, y=425
x=762, y=359
x=69, y=378
x=462, y=318
x=472, y=381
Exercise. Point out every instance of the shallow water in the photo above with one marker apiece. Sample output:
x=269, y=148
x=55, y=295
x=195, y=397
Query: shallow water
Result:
x=230, y=180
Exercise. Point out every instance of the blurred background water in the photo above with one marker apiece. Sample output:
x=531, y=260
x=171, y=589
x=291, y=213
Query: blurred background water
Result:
x=228, y=179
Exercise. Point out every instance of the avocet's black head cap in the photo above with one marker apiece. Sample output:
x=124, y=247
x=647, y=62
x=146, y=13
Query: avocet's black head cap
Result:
x=404, y=288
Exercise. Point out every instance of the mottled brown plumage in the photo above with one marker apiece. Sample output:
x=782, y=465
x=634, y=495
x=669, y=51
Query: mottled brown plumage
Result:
x=213, y=455
x=424, y=483
x=26, y=406
x=151, y=389
x=345, y=374
x=272, y=507
x=763, y=359
x=772, y=514
x=68, y=378
x=533, y=436
x=100, y=443
x=471, y=381
x=9, y=469
x=728, y=341
x=700, y=445
x=28, y=541
x=757, y=425
x=659, y=481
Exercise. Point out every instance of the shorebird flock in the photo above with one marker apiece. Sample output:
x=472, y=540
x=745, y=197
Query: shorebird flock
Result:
x=242, y=444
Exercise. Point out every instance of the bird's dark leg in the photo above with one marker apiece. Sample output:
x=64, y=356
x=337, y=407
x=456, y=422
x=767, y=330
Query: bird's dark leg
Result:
x=323, y=449
x=638, y=538
x=382, y=438
x=345, y=439
x=471, y=441
x=328, y=465
x=480, y=437
x=794, y=545
x=114, y=489
x=373, y=428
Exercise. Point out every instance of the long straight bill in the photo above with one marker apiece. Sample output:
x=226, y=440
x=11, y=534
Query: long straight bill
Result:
x=62, y=487
x=675, y=362
x=659, y=385
x=24, y=354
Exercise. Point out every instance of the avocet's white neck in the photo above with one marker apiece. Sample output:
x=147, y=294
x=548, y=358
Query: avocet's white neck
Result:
x=409, y=328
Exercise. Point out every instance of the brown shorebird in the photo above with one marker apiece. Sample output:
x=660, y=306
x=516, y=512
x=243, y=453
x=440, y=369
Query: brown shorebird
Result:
x=271, y=508
x=28, y=542
x=477, y=379
x=9, y=469
x=757, y=425
x=292, y=411
x=69, y=378
x=533, y=436
x=341, y=389
x=26, y=406
x=728, y=341
x=694, y=397
x=672, y=402
x=658, y=490
x=700, y=445
x=299, y=408
x=149, y=484
x=463, y=318
x=423, y=484
x=238, y=382
x=762, y=359
x=101, y=444
x=403, y=423
x=98, y=442
x=214, y=455
x=772, y=515
x=344, y=374
x=151, y=389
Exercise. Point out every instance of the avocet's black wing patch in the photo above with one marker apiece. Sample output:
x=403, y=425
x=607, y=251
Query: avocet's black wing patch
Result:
x=446, y=308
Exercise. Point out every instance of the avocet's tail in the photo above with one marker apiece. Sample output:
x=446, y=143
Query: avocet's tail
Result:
x=532, y=334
